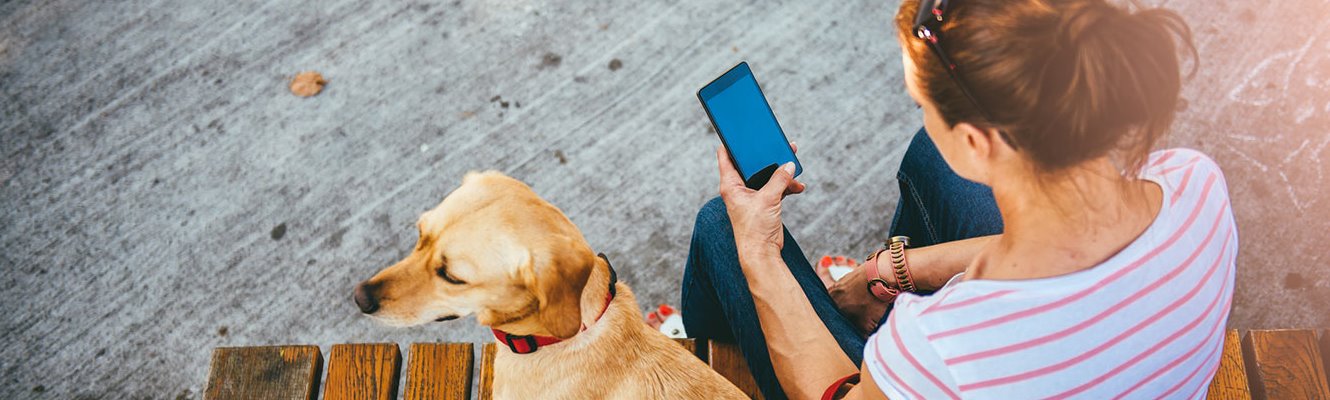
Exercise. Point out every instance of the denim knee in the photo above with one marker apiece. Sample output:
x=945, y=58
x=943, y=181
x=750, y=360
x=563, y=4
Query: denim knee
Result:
x=922, y=157
x=713, y=223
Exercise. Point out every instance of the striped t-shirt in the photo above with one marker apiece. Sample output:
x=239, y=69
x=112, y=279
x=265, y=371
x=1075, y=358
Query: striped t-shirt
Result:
x=1146, y=323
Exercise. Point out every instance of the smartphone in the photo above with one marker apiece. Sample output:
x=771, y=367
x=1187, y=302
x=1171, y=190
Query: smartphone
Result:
x=747, y=126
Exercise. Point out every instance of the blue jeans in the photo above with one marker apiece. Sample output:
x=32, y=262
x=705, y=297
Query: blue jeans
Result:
x=717, y=304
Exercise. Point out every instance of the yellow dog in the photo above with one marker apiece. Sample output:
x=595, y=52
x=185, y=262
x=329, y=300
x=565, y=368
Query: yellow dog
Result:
x=567, y=329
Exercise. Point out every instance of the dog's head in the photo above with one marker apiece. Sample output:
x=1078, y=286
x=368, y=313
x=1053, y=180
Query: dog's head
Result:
x=492, y=248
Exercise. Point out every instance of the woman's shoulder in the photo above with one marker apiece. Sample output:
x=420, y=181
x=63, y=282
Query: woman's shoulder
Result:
x=1190, y=179
x=1180, y=160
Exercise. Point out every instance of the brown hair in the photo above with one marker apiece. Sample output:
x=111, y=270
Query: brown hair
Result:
x=1067, y=80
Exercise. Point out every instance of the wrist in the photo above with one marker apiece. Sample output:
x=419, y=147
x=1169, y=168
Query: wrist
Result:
x=926, y=276
x=757, y=254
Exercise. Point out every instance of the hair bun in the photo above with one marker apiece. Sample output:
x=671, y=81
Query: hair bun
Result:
x=1085, y=16
x=1068, y=80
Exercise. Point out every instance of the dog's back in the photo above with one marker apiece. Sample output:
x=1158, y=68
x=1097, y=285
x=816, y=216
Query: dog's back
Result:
x=619, y=357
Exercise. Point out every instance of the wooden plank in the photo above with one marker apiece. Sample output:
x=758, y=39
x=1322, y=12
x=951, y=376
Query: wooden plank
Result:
x=691, y=345
x=726, y=359
x=1325, y=350
x=486, y=389
x=271, y=372
x=1230, y=381
x=687, y=343
x=363, y=372
x=1284, y=364
x=439, y=371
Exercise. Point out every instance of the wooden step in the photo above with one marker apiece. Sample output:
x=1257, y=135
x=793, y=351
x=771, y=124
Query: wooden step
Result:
x=1264, y=364
x=726, y=359
x=1284, y=364
x=269, y=372
x=1230, y=382
x=363, y=372
x=439, y=371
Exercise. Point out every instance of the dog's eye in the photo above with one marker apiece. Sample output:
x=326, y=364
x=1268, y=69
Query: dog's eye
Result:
x=443, y=273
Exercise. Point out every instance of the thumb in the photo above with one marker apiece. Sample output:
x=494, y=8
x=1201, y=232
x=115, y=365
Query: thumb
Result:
x=780, y=180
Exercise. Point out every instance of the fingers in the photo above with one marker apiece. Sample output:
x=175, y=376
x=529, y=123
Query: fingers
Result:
x=729, y=177
x=781, y=181
x=795, y=187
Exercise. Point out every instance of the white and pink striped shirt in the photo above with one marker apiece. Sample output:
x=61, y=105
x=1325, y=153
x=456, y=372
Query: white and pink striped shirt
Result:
x=1146, y=323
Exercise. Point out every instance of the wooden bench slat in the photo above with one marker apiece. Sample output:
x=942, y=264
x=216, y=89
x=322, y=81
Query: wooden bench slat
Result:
x=439, y=371
x=363, y=372
x=1325, y=351
x=271, y=372
x=486, y=389
x=691, y=345
x=726, y=359
x=1230, y=381
x=1284, y=364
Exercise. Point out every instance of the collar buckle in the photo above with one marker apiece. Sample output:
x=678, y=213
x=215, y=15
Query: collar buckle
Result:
x=531, y=345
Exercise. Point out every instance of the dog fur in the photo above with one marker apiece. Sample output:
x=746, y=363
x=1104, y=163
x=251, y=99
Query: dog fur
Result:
x=525, y=269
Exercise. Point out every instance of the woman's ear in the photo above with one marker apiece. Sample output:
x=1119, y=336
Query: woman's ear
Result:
x=980, y=148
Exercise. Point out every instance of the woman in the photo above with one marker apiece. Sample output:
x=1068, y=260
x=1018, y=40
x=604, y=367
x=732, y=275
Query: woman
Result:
x=1093, y=268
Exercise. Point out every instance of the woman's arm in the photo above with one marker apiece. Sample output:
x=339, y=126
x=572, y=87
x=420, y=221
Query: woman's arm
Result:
x=934, y=265
x=930, y=266
x=804, y=355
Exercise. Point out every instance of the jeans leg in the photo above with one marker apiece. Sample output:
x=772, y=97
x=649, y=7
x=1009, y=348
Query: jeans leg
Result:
x=718, y=305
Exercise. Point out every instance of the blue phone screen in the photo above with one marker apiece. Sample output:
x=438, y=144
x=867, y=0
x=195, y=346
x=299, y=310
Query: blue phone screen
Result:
x=747, y=125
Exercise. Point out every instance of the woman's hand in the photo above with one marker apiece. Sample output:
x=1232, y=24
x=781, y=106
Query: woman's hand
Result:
x=854, y=301
x=755, y=214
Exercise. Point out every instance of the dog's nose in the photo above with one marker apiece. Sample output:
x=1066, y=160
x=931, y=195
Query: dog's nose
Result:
x=365, y=298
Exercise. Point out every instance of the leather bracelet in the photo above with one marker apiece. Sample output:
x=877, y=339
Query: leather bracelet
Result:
x=878, y=287
x=896, y=250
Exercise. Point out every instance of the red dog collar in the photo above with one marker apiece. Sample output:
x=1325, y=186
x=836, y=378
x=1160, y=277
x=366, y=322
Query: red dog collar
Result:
x=526, y=344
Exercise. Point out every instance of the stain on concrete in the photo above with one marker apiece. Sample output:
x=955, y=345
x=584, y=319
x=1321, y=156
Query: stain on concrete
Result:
x=278, y=232
x=550, y=60
x=335, y=240
x=1247, y=16
x=1295, y=281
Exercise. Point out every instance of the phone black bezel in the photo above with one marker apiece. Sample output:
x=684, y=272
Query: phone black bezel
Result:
x=759, y=178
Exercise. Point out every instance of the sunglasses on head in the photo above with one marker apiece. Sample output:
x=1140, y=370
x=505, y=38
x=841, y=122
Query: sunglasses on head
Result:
x=927, y=27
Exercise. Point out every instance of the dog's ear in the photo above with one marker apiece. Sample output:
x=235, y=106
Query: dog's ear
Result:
x=556, y=279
